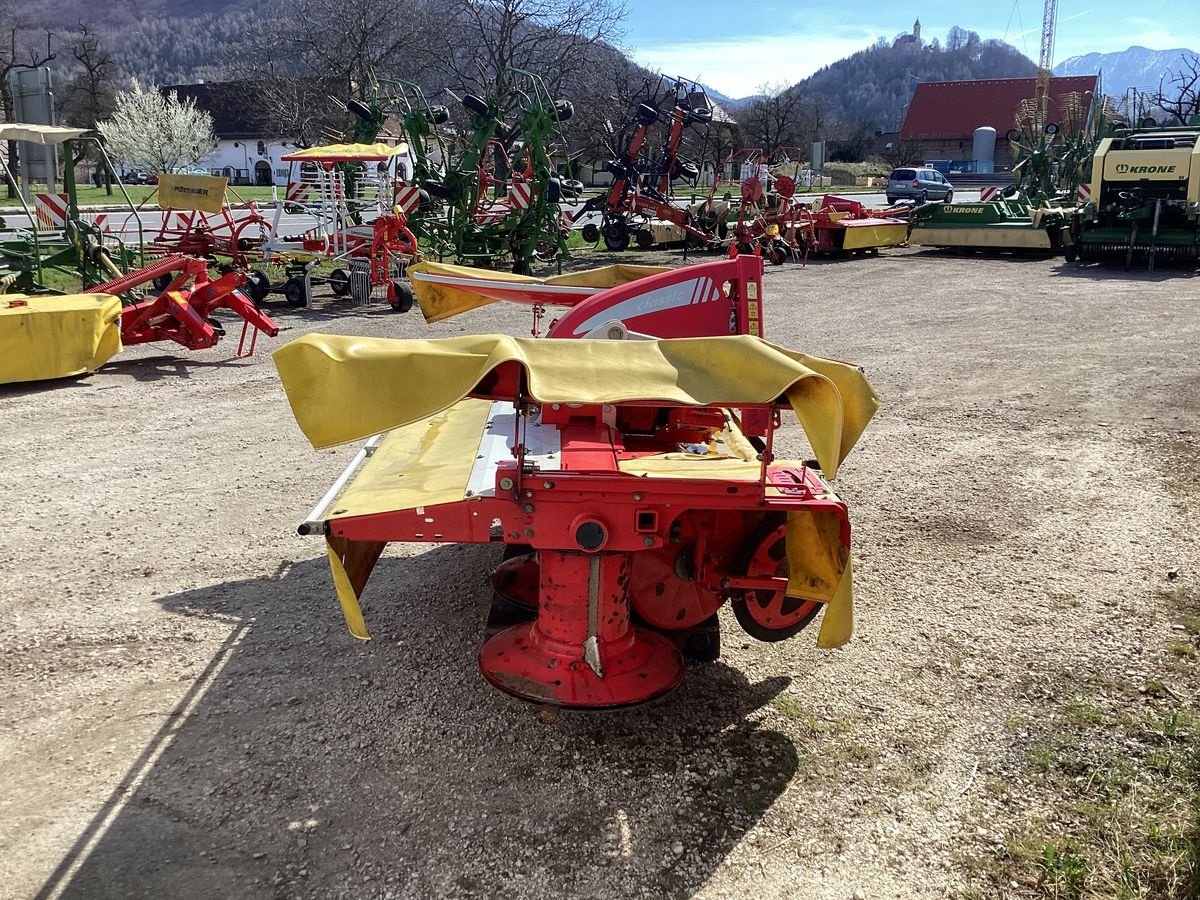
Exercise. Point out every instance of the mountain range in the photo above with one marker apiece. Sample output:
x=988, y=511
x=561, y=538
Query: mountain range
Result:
x=1137, y=67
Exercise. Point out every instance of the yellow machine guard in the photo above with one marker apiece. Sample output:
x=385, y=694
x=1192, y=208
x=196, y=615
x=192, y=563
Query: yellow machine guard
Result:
x=56, y=337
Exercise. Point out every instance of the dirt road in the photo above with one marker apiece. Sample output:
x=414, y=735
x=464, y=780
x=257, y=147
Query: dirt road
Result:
x=182, y=713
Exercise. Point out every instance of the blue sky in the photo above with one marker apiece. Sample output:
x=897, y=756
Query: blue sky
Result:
x=738, y=47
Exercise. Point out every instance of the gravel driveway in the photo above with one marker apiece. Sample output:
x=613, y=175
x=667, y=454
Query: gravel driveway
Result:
x=183, y=714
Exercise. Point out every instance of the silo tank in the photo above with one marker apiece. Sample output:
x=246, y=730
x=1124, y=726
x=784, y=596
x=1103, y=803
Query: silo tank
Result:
x=984, y=149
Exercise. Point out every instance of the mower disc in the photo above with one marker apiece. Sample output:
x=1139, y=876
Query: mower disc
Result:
x=516, y=578
x=770, y=615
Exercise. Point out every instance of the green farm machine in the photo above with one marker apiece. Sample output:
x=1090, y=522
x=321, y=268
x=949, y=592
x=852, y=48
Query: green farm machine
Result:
x=1145, y=198
x=487, y=191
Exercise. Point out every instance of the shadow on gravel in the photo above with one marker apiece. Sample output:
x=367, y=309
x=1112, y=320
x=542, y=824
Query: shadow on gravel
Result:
x=305, y=763
x=156, y=368
x=1164, y=271
x=28, y=388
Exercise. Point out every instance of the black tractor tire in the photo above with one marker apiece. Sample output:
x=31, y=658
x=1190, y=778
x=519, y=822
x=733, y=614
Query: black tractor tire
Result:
x=437, y=115
x=258, y=285
x=339, y=282
x=476, y=105
x=293, y=291
x=644, y=239
x=160, y=283
x=686, y=171
x=553, y=190
x=402, y=296
x=563, y=110
x=616, y=236
x=645, y=114
x=591, y=233
x=1071, y=252
x=438, y=189
x=361, y=110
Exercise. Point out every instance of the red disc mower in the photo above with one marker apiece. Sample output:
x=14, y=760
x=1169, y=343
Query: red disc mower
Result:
x=627, y=462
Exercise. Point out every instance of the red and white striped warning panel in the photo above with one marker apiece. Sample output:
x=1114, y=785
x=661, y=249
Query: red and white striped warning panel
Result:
x=408, y=197
x=1083, y=193
x=989, y=193
x=101, y=223
x=298, y=190
x=50, y=210
x=520, y=194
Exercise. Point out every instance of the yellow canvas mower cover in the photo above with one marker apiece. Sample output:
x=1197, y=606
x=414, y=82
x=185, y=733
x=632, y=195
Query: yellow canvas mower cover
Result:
x=56, y=337
x=444, y=290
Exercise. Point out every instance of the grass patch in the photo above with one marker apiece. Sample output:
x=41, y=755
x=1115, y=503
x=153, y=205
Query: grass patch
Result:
x=1121, y=773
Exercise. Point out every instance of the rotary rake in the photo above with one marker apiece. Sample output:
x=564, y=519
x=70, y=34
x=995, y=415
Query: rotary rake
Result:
x=492, y=199
x=351, y=192
x=640, y=197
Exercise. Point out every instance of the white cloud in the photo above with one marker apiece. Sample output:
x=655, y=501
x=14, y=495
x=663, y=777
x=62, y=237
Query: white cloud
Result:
x=739, y=66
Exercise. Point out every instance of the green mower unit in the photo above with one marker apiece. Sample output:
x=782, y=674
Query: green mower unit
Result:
x=1008, y=223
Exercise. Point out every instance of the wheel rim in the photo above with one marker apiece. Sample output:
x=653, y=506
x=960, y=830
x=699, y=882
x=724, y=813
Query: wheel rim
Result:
x=663, y=586
x=772, y=615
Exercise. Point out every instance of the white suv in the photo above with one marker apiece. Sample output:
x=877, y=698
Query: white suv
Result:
x=920, y=184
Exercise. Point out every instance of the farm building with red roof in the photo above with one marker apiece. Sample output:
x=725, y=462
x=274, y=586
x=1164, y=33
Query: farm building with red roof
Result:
x=943, y=115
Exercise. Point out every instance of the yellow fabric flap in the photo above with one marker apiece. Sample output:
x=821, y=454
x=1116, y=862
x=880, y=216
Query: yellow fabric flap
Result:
x=819, y=568
x=426, y=463
x=347, y=388
x=55, y=337
x=443, y=301
x=352, y=563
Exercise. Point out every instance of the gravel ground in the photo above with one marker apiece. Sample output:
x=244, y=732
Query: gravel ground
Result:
x=183, y=714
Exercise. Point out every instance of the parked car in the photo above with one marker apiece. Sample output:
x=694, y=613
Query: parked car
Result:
x=918, y=183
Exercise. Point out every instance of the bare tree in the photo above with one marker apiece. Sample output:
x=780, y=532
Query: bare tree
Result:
x=88, y=97
x=158, y=132
x=317, y=54
x=902, y=152
x=487, y=38
x=1179, y=90
x=774, y=119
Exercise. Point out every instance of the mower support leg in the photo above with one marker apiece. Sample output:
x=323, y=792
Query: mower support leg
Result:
x=582, y=651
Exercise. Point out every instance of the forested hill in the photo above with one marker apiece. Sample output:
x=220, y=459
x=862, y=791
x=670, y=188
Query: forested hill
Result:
x=873, y=86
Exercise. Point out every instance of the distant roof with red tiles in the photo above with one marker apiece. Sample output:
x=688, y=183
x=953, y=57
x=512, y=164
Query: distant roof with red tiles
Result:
x=954, y=109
